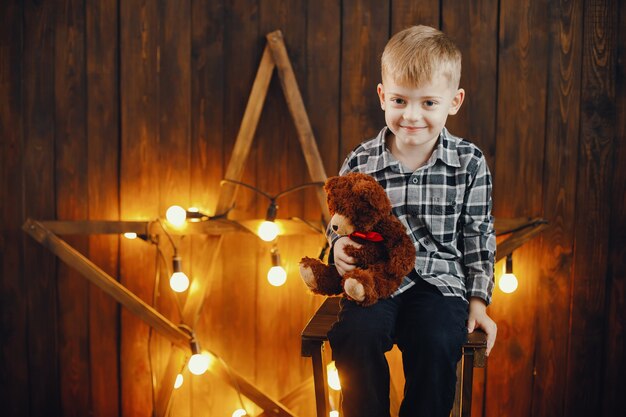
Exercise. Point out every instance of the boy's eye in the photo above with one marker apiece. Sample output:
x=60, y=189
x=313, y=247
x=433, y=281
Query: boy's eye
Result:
x=397, y=101
x=430, y=103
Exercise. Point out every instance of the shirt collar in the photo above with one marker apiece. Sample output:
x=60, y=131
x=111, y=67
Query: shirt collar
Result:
x=381, y=157
x=446, y=149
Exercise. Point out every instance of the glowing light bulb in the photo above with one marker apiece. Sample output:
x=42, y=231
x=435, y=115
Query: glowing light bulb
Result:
x=199, y=363
x=176, y=215
x=277, y=276
x=333, y=376
x=179, y=282
x=130, y=235
x=334, y=413
x=268, y=231
x=240, y=412
x=179, y=381
x=508, y=283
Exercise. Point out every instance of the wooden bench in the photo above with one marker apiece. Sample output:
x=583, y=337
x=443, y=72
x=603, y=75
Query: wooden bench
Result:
x=314, y=336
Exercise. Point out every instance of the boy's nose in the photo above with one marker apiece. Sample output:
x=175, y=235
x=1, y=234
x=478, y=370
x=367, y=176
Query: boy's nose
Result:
x=411, y=114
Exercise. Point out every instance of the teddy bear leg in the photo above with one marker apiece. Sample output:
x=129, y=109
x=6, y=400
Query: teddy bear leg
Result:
x=359, y=285
x=354, y=289
x=319, y=277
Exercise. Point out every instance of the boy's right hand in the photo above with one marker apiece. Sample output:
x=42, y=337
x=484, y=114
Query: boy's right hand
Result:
x=343, y=262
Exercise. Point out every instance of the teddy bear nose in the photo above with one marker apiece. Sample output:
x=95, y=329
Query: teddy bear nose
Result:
x=335, y=227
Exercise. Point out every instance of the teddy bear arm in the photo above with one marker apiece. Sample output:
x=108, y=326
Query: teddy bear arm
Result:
x=402, y=257
x=360, y=255
x=327, y=279
x=400, y=248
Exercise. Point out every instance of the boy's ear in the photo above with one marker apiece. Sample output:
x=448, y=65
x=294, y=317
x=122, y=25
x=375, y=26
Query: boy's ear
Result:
x=381, y=94
x=457, y=100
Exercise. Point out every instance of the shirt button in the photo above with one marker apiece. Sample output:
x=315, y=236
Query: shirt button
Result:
x=426, y=242
x=415, y=180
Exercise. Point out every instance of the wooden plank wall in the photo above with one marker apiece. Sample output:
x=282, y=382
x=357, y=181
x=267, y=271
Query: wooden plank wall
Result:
x=103, y=143
x=117, y=109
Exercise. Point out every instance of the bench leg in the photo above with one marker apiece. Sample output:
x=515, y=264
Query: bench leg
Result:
x=319, y=381
x=464, y=376
x=466, y=387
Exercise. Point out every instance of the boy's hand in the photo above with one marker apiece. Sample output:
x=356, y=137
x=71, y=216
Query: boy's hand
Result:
x=478, y=319
x=343, y=262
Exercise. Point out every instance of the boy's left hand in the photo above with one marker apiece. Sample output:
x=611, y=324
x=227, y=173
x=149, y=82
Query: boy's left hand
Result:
x=478, y=319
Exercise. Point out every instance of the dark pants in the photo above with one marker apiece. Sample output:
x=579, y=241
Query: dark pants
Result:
x=430, y=330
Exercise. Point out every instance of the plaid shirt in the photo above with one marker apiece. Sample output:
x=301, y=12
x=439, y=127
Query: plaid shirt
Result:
x=445, y=206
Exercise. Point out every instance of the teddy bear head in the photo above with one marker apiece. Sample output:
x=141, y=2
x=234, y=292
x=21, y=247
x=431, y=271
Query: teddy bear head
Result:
x=356, y=202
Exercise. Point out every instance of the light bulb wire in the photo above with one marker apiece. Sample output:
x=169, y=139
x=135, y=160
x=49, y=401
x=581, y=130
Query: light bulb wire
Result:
x=275, y=196
x=272, y=198
x=169, y=274
x=275, y=255
x=165, y=263
x=508, y=269
x=174, y=247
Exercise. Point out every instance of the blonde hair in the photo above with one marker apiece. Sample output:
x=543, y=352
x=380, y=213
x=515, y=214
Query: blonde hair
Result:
x=413, y=56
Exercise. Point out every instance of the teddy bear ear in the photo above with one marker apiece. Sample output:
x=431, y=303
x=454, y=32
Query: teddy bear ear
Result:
x=372, y=192
x=332, y=190
x=330, y=184
x=363, y=187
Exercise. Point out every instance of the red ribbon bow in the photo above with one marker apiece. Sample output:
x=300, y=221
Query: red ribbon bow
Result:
x=371, y=236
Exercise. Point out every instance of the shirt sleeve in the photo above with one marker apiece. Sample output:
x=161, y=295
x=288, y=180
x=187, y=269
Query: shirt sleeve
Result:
x=478, y=234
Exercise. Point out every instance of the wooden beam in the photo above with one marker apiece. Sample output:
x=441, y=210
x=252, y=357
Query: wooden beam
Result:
x=216, y=227
x=296, y=396
x=96, y=227
x=197, y=290
x=298, y=114
x=175, y=364
x=505, y=226
x=234, y=171
x=107, y=283
x=517, y=239
x=230, y=376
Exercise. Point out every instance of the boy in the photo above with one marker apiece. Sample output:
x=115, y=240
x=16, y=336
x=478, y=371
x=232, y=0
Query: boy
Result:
x=440, y=188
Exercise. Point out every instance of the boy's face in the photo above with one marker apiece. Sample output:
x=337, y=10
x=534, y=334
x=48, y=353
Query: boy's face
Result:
x=416, y=115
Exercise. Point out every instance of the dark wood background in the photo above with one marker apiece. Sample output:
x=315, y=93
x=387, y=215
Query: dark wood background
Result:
x=117, y=109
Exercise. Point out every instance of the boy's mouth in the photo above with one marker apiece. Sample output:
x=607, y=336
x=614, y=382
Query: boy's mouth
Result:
x=413, y=128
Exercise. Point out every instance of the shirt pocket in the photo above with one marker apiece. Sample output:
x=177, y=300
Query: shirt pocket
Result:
x=442, y=214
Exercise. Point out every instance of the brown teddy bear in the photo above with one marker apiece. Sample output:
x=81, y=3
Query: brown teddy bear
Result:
x=360, y=208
